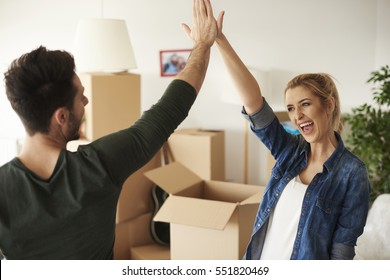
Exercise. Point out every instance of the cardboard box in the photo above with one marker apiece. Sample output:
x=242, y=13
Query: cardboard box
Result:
x=135, y=198
x=202, y=151
x=150, y=252
x=132, y=233
x=209, y=219
x=115, y=102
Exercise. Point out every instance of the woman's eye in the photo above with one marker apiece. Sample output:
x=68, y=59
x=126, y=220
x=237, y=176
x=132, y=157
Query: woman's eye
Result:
x=305, y=104
x=290, y=109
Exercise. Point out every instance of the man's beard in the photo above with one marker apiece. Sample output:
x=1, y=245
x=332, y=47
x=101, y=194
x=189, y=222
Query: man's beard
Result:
x=74, y=128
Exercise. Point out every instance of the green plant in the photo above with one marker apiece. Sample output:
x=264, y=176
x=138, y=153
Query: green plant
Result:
x=369, y=137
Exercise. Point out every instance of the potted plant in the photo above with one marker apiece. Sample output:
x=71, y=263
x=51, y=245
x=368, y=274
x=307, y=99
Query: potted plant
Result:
x=369, y=137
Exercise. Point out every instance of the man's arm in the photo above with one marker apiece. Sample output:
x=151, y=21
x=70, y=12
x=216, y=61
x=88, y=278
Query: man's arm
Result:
x=203, y=34
x=126, y=151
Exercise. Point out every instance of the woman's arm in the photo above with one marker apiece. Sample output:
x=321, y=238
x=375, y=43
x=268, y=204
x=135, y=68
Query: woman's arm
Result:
x=244, y=81
x=353, y=215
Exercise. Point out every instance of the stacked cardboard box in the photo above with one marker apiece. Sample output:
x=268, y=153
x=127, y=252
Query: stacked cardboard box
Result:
x=134, y=212
x=201, y=151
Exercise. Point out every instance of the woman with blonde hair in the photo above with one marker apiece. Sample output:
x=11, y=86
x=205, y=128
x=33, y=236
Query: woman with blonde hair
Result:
x=316, y=201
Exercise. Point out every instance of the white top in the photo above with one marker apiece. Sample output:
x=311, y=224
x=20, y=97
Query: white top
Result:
x=283, y=222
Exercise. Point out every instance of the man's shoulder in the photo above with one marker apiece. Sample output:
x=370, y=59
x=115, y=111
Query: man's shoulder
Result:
x=4, y=169
x=9, y=173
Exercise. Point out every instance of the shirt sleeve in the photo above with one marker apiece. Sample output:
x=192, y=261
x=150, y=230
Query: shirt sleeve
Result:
x=124, y=152
x=262, y=118
x=267, y=127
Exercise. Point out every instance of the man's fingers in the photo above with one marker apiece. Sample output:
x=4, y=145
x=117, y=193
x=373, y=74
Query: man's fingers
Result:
x=209, y=8
x=202, y=7
x=198, y=9
x=195, y=9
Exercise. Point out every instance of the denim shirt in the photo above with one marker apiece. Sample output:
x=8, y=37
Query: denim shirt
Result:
x=336, y=202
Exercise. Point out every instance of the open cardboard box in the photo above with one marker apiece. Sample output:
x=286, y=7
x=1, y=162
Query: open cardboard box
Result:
x=209, y=219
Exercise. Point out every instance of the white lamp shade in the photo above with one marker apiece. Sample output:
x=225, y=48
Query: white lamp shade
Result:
x=262, y=77
x=103, y=45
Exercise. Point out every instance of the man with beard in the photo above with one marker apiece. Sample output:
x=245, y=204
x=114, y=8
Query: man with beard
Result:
x=56, y=204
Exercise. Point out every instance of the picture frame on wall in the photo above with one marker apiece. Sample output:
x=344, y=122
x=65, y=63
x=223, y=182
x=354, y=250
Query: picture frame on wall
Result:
x=173, y=61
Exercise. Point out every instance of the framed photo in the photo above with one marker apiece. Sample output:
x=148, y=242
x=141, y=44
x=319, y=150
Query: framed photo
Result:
x=173, y=61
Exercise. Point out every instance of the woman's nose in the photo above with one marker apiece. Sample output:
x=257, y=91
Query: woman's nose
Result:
x=298, y=115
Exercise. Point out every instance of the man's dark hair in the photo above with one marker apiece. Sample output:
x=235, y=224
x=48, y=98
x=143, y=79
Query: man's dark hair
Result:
x=38, y=83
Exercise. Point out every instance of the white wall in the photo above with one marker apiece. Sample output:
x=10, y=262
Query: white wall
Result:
x=347, y=38
x=383, y=33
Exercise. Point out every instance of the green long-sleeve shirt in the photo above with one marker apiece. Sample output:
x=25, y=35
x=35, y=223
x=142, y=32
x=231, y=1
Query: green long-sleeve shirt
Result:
x=72, y=214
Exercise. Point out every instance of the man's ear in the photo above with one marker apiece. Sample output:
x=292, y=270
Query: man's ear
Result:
x=60, y=116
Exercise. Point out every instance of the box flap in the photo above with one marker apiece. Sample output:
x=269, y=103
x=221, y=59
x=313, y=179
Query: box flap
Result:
x=185, y=131
x=196, y=212
x=254, y=199
x=197, y=132
x=173, y=177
